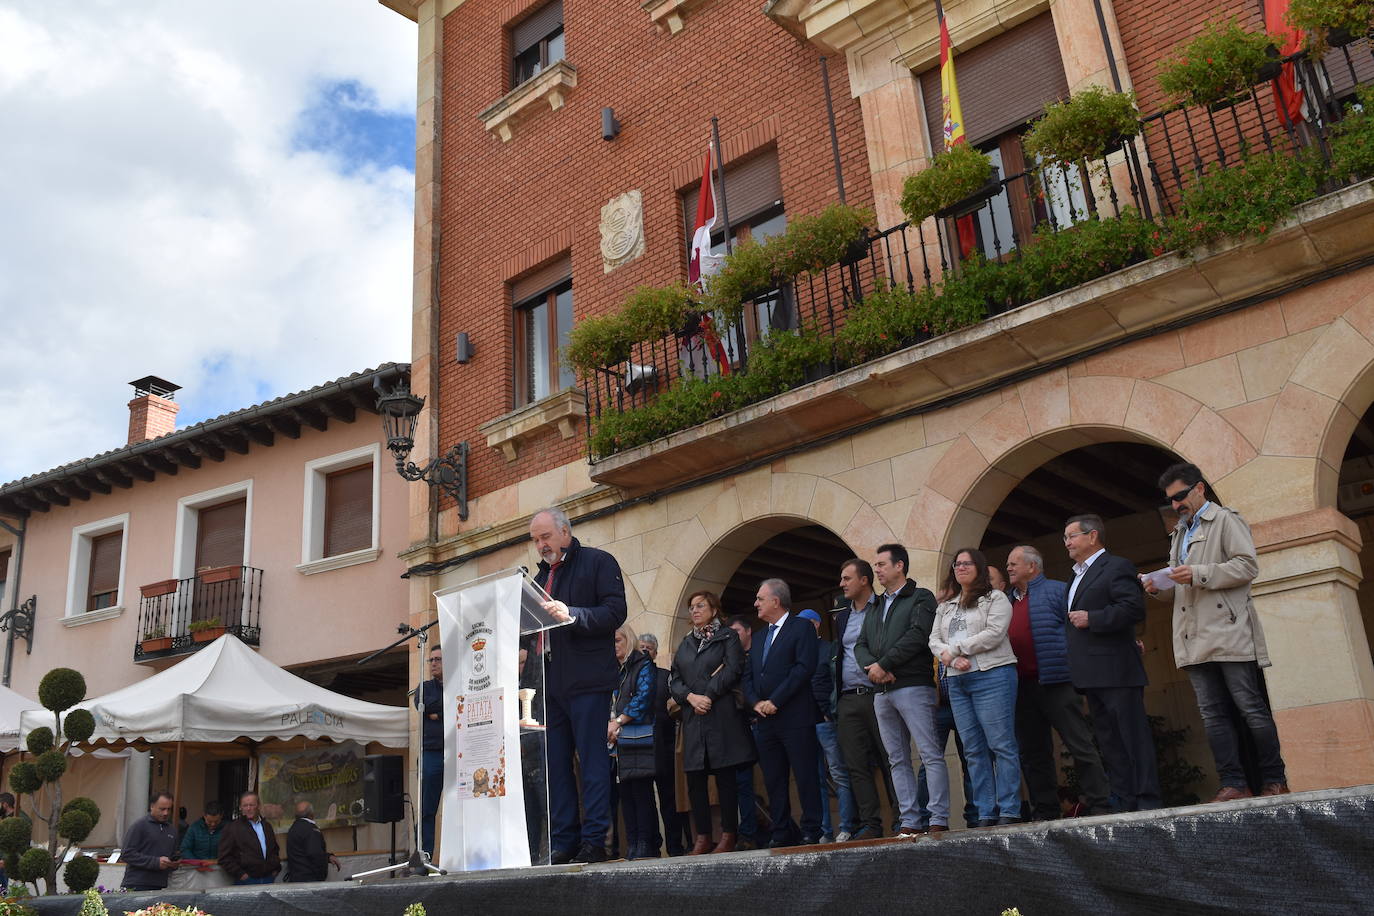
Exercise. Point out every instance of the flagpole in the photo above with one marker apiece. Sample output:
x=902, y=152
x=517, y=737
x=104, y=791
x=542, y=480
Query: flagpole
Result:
x=720, y=172
x=834, y=138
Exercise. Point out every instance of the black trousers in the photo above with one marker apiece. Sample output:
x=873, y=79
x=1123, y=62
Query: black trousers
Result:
x=860, y=745
x=700, y=794
x=665, y=781
x=1128, y=748
x=1040, y=707
x=797, y=750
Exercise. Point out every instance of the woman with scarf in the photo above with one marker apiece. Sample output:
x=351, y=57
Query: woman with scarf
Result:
x=707, y=671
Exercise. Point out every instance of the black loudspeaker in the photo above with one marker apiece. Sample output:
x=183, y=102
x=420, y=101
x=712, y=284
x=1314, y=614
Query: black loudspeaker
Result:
x=383, y=788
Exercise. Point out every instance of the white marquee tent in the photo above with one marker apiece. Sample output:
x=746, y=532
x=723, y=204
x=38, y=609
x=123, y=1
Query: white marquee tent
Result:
x=12, y=705
x=227, y=691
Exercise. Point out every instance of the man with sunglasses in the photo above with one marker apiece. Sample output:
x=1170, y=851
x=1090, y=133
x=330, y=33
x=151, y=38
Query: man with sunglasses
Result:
x=1217, y=636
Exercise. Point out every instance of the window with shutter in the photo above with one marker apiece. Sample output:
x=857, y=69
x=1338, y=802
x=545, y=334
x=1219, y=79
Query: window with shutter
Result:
x=348, y=511
x=103, y=585
x=219, y=535
x=543, y=319
x=536, y=42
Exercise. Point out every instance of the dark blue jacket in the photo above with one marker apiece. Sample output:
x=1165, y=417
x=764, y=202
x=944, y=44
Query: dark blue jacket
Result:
x=1048, y=615
x=823, y=681
x=431, y=701
x=582, y=654
x=786, y=679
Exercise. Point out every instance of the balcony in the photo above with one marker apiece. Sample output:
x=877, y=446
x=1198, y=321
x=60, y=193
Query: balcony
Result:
x=1016, y=328
x=178, y=616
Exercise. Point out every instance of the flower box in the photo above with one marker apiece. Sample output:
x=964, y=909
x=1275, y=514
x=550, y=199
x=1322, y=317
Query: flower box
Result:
x=159, y=644
x=221, y=574
x=209, y=634
x=157, y=589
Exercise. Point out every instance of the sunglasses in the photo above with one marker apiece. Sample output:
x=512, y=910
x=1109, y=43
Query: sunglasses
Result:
x=1181, y=495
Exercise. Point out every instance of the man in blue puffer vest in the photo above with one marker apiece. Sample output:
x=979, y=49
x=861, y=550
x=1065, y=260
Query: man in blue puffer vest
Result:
x=1044, y=696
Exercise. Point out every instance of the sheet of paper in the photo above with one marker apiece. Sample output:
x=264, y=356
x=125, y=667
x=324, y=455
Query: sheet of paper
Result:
x=114, y=857
x=1160, y=578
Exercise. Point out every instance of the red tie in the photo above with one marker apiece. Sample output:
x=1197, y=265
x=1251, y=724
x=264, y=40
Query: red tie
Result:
x=548, y=583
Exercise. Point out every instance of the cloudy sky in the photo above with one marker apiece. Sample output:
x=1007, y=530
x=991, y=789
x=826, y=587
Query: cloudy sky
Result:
x=220, y=194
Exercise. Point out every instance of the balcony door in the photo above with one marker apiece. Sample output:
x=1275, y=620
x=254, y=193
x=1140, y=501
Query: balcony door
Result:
x=219, y=544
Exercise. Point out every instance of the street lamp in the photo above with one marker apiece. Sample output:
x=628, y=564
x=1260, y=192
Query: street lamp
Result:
x=400, y=412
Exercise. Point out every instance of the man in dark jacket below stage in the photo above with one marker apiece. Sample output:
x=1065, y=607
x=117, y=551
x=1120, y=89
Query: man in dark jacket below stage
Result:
x=307, y=859
x=150, y=847
x=1105, y=603
x=248, y=850
x=201, y=839
x=1044, y=696
x=587, y=589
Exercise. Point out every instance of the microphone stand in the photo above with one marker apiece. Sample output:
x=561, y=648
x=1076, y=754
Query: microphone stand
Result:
x=418, y=865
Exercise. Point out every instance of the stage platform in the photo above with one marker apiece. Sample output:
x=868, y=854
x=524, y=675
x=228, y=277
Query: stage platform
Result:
x=1308, y=853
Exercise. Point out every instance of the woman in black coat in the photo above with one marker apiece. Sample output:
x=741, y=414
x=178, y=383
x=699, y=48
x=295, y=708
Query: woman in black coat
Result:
x=707, y=671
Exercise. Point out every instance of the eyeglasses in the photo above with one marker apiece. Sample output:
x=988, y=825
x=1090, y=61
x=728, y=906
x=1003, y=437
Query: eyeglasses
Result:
x=963, y=564
x=1073, y=534
x=1181, y=495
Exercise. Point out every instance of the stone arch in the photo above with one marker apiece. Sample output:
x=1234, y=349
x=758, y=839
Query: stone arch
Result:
x=712, y=528
x=1329, y=390
x=1047, y=416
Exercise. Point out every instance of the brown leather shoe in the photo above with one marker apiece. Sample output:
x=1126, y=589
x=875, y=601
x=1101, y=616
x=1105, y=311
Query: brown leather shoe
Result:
x=702, y=845
x=1274, y=788
x=936, y=830
x=1231, y=793
x=726, y=844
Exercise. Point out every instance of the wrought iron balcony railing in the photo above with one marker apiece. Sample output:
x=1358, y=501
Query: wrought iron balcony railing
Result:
x=178, y=616
x=1147, y=175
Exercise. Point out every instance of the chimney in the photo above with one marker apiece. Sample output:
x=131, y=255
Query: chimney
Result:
x=152, y=412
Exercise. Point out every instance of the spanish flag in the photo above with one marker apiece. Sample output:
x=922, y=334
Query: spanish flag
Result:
x=954, y=123
x=949, y=89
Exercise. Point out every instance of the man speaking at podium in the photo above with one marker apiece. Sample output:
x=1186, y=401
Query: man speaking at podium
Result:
x=587, y=589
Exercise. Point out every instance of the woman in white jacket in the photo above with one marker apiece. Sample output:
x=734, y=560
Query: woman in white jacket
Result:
x=970, y=640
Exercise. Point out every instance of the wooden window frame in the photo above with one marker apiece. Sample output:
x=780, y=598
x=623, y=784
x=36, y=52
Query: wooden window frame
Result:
x=366, y=469
x=524, y=393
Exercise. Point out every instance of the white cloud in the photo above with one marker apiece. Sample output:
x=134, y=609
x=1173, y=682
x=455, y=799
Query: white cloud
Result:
x=155, y=218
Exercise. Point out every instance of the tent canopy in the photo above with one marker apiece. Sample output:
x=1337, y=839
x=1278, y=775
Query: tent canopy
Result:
x=12, y=705
x=227, y=691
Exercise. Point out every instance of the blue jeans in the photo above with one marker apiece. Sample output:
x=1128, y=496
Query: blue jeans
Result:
x=944, y=725
x=431, y=790
x=984, y=704
x=832, y=767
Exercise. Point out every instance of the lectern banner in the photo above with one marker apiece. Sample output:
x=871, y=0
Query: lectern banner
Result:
x=483, y=810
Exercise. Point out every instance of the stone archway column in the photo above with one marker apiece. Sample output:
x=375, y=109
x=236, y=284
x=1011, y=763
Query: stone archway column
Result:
x=1321, y=684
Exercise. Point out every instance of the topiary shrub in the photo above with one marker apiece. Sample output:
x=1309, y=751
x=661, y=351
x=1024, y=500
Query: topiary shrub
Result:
x=35, y=863
x=75, y=825
x=24, y=778
x=15, y=835
x=51, y=766
x=82, y=803
x=39, y=741
x=61, y=689
x=79, y=725
x=81, y=874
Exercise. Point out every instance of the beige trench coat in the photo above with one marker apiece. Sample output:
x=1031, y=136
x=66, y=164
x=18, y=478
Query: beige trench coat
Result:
x=1214, y=618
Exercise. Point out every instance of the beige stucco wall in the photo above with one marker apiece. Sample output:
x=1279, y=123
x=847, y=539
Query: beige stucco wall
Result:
x=1263, y=400
x=304, y=618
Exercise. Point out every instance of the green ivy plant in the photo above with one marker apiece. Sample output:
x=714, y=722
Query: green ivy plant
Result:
x=1318, y=18
x=1219, y=64
x=1084, y=127
x=813, y=243
x=951, y=177
x=1352, y=139
x=1244, y=200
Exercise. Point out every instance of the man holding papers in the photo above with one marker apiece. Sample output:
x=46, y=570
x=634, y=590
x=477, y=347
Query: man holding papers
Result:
x=1217, y=637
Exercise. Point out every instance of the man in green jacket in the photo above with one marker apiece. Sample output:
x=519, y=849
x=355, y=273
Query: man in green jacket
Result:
x=894, y=650
x=202, y=838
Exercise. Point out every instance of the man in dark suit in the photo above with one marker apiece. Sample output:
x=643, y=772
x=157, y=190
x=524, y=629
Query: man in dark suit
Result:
x=665, y=752
x=307, y=858
x=777, y=686
x=1105, y=603
x=587, y=588
x=248, y=850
